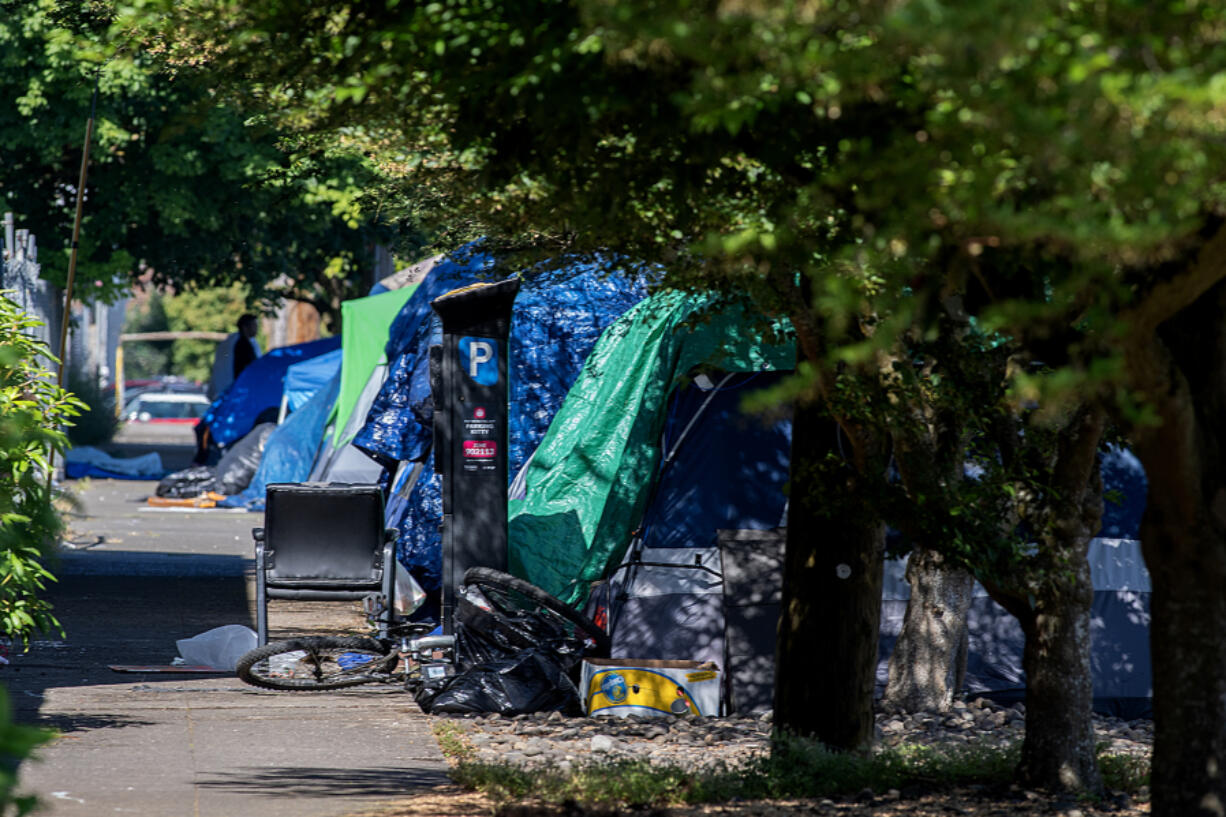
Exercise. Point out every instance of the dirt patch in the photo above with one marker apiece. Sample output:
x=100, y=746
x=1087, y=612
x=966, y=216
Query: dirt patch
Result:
x=445, y=801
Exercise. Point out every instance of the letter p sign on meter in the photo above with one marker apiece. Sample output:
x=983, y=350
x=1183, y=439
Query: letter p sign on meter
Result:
x=479, y=358
x=470, y=423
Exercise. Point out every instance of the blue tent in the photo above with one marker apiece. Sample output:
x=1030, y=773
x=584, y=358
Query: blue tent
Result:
x=291, y=449
x=258, y=389
x=303, y=380
x=557, y=318
x=721, y=469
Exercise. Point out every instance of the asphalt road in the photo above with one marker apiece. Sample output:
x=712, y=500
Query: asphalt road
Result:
x=133, y=581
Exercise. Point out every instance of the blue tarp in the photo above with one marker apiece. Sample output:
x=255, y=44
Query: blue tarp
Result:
x=557, y=318
x=81, y=470
x=291, y=449
x=258, y=389
x=398, y=425
x=303, y=379
x=1124, y=490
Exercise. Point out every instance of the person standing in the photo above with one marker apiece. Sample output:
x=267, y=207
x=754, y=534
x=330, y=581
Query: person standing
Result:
x=246, y=347
x=233, y=355
x=238, y=351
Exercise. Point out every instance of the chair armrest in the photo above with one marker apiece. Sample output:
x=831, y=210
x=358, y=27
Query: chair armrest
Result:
x=264, y=555
x=388, y=569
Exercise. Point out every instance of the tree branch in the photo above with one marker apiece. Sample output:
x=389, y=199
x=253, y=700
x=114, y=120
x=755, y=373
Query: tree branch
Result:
x=1167, y=298
x=1014, y=604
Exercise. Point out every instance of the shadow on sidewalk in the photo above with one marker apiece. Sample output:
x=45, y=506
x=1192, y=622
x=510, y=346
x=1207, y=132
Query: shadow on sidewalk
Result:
x=111, y=619
x=387, y=781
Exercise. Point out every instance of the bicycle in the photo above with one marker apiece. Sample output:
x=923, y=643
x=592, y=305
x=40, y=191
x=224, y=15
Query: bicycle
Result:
x=493, y=601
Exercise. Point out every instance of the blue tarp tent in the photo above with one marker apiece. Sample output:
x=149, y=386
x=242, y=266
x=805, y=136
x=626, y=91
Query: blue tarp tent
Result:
x=303, y=380
x=557, y=318
x=397, y=427
x=291, y=449
x=258, y=389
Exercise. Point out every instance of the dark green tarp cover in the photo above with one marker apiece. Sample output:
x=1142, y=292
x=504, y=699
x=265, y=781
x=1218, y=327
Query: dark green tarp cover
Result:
x=590, y=479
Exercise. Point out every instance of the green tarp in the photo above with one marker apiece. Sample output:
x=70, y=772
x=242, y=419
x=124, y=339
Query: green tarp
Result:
x=589, y=481
x=365, y=323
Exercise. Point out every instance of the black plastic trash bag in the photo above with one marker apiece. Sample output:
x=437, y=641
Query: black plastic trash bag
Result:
x=533, y=680
x=188, y=483
x=516, y=651
x=238, y=465
x=485, y=632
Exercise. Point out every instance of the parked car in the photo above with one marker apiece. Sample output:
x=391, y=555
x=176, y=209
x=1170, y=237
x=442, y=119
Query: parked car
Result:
x=166, y=407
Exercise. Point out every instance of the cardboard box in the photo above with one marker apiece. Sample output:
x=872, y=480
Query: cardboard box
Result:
x=623, y=686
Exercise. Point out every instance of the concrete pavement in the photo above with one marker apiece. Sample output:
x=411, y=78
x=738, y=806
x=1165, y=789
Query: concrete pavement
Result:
x=199, y=746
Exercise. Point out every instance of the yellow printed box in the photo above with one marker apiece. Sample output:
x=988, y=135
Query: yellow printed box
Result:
x=622, y=686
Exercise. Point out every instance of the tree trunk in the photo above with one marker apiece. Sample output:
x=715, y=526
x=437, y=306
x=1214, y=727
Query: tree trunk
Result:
x=1187, y=632
x=1183, y=536
x=925, y=662
x=1058, y=751
x=1052, y=600
x=831, y=606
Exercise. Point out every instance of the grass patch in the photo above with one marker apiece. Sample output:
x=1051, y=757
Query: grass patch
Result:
x=623, y=782
x=795, y=769
x=451, y=741
x=1124, y=772
x=804, y=768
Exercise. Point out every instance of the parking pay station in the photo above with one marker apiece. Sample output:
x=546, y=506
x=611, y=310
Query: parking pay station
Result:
x=468, y=379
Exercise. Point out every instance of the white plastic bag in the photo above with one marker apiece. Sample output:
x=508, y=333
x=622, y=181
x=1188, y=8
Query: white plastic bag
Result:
x=409, y=595
x=219, y=648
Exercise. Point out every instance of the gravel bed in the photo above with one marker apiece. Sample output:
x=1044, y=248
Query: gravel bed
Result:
x=552, y=740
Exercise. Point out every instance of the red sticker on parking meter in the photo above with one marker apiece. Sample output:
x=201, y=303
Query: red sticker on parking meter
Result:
x=480, y=449
x=479, y=413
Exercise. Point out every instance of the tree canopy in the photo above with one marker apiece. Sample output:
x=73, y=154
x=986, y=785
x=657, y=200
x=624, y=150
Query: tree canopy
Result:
x=195, y=189
x=878, y=135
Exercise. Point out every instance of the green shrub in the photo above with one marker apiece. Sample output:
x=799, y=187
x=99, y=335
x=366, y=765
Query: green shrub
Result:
x=32, y=407
x=98, y=421
x=17, y=743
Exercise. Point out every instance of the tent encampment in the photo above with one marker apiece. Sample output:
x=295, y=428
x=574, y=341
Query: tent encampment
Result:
x=558, y=315
x=650, y=477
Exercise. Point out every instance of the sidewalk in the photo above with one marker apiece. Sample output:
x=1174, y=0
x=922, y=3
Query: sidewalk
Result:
x=199, y=745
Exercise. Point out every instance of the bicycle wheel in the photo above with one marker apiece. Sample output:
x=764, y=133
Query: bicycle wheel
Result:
x=317, y=663
x=510, y=596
